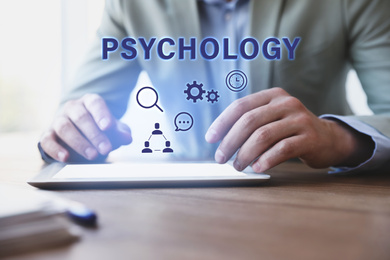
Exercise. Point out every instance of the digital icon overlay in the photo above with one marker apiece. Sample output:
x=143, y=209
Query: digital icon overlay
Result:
x=236, y=80
x=147, y=97
x=212, y=96
x=183, y=121
x=195, y=92
x=157, y=134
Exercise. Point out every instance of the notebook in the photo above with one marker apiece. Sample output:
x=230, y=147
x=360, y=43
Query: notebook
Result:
x=31, y=220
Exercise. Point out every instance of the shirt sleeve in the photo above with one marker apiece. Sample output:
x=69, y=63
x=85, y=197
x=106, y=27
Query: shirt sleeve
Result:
x=112, y=79
x=380, y=155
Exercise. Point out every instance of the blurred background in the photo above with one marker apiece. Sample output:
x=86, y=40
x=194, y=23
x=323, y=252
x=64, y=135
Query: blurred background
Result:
x=42, y=44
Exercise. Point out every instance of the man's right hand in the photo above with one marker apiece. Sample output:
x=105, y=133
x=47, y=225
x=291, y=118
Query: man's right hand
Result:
x=85, y=127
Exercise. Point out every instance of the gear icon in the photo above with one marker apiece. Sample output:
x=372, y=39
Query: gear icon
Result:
x=199, y=89
x=212, y=96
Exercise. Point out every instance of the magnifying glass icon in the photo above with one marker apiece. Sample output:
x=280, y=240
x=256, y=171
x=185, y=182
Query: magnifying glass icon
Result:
x=149, y=98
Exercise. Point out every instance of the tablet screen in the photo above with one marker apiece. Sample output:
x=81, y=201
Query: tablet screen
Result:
x=153, y=170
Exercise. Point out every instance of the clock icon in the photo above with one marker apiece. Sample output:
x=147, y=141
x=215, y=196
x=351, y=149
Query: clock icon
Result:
x=236, y=80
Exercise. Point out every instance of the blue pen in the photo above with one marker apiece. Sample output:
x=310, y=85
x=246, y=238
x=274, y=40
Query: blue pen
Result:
x=81, y=214
x=76, y=211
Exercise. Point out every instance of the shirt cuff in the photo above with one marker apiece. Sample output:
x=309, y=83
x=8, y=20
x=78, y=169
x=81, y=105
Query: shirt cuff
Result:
x=381, y=149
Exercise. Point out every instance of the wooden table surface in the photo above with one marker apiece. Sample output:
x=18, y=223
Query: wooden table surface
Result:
x=300, y=213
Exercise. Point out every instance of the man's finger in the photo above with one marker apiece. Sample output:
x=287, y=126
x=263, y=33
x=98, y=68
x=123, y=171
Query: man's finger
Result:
x=119, y=135
x=98, y=109
x=282, y=151
x=261, y=140
x=220, y=127
x=68, y=133
x=246, y=125
x=83, y=120
x=51, y=147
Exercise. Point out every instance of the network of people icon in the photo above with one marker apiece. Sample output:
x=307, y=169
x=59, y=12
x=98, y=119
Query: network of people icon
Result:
x=155, y=133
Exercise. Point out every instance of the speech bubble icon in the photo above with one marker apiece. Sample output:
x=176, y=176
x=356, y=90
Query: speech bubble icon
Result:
x=183, y=121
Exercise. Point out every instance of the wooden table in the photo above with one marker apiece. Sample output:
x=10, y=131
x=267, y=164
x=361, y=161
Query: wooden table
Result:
x=300, y=214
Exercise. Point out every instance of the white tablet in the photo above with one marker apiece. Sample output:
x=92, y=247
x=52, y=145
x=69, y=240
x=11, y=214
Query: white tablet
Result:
x=137, y=175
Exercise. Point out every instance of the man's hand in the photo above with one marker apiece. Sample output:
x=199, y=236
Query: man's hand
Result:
x=85, y=127
x=270, y=127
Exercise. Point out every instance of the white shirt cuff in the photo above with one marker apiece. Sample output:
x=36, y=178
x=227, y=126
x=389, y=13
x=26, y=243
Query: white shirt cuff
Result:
x=381, y=151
